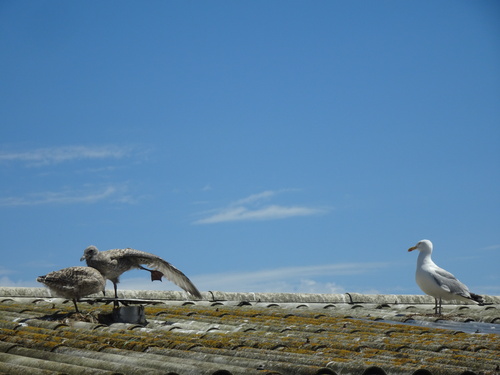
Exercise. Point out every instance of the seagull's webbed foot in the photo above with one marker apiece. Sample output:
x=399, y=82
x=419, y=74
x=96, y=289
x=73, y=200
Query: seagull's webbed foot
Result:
x=155, y=275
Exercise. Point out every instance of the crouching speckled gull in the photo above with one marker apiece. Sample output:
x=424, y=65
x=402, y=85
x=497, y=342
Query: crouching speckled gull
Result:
x=74, y=282
x=112, y=263
x=437, y=282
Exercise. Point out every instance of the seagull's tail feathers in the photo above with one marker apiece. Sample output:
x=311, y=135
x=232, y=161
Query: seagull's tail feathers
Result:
x=50, y=280
x=476, y=297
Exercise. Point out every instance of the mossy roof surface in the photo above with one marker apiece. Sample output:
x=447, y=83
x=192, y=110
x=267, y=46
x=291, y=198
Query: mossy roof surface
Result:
x=248, y=333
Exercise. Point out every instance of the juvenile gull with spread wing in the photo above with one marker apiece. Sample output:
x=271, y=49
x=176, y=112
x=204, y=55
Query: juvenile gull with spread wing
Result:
x=74, y=282
x=437, y=282
x=112, y=263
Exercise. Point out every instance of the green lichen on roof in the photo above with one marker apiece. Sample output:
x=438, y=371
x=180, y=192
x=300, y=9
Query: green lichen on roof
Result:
x=244, y=334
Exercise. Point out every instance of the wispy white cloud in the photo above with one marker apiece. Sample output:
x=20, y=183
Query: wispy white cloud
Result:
x=491, y=248
x=271, y=286
x=207, y=187
x=5, y=271
x=251, y=208
x=115, y=193
x=6, y=281
x=272, y=212
x=255, y=197
x=55, y=155
x=305, y=279
x=289, y=273
x=89, y=193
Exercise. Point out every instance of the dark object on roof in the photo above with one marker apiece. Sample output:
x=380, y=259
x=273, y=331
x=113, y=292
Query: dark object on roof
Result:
x=437, y=282
x=74, y=282
x=112, y=263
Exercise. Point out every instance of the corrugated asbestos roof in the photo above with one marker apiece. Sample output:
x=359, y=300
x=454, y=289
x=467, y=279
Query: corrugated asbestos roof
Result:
x=248, y=333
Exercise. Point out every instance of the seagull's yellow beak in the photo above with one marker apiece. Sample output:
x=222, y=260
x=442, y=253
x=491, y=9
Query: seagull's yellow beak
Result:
x=412, y=248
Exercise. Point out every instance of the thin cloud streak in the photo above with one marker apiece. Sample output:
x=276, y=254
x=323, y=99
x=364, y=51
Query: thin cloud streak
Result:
x=8, y=282
x=491, y=248
x=294, y=272
x=280, y=280
x=255, y=197
x=275, y=286
x=5, y=271
x=303, y=279
x=66, y=197
x=55, y=155
x=266, y=213
x=251, y=209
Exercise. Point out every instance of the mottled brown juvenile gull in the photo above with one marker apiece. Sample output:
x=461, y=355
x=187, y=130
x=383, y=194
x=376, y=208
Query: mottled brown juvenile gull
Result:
x=74, y=282
x=437, y=282
x=112, y=263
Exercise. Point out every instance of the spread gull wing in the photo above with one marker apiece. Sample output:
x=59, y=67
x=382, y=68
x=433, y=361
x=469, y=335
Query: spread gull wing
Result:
x=136, y=258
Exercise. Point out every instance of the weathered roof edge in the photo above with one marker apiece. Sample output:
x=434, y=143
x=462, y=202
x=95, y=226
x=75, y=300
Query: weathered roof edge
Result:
x=348, y=298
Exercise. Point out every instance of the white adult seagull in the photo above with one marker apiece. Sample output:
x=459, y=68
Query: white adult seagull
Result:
x=437, y=282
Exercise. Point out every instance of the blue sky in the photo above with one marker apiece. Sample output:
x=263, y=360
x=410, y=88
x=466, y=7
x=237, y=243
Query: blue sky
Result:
x=258, y=146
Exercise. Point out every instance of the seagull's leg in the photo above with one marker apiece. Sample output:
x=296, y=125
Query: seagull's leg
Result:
x=115, y=302
x=76, y=307
x=435, y=306
x=155, y=275
x=440, y=306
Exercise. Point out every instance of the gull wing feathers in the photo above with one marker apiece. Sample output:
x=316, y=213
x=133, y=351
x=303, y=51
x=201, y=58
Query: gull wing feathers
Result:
x=136, y=258
x=74, y=282
x=447, y=281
